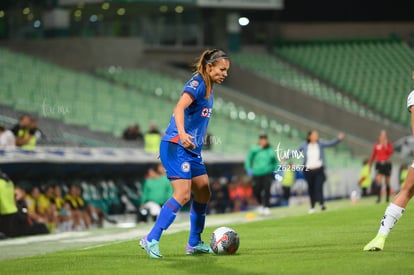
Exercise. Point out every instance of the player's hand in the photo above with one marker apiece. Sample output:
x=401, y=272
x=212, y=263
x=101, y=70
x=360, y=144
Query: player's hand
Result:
x=186, y=141
x=341, y=136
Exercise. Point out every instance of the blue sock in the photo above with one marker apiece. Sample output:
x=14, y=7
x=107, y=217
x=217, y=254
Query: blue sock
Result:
x=165, y=219
x=197, y=221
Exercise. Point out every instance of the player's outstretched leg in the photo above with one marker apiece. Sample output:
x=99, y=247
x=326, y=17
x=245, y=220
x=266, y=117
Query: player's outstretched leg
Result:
x=392, y=214
x=164, y=220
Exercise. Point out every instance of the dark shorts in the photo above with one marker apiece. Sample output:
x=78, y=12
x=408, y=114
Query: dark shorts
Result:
x=180, y=163
x=383, y=168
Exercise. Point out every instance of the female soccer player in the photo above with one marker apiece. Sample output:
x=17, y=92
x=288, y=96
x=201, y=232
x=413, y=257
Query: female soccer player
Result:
x=396, y=208
x=180, y=153
x=381, y=153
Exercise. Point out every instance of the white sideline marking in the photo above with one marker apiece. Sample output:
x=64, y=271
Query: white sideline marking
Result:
x=43, y=238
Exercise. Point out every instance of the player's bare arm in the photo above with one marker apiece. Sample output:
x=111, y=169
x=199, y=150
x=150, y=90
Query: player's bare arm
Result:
x=183, y=103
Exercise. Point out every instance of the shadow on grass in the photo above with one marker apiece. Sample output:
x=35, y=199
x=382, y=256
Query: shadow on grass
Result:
x=207, y=264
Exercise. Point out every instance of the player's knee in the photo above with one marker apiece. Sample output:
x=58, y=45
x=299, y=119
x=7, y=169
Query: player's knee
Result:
x=182, y=197
x=206, y=194
x=205, y=190
x=186, y=198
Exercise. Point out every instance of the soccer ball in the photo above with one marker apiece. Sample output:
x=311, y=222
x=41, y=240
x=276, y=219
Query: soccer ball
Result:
x=224, y=240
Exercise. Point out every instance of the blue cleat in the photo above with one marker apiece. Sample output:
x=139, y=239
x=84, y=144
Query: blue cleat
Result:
x=200, y=248
x=152, y=248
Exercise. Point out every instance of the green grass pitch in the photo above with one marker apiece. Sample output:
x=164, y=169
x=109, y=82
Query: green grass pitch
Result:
x=289, y=242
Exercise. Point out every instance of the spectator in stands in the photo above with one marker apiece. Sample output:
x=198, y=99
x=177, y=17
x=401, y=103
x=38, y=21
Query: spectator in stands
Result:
x=25, y=224
x=365, y=178
x=315, y=163
x=220, y=200
x=80, y=215
x=48, y=207
x=152, y=139
x=57, y=198
x=241, y=194
x=63, y=210
x=133, y=133
x=33, y=199
x=381, y=154
x=260, y=163
x=21, y=131
x=156, y=190
x=35, y=131
x=7, y=139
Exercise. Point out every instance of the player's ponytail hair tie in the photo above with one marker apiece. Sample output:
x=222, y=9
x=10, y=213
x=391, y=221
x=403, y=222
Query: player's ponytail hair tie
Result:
x=213, y=55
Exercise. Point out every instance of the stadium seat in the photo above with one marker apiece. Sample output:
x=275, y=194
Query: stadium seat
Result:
x=367, y=70
x=119, y=97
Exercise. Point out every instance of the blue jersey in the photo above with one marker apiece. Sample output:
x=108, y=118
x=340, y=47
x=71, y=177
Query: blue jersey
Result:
x=196, y=116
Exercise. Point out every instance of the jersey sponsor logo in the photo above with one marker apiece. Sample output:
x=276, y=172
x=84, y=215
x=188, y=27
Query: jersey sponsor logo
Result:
x=206, y=112
x=185, y=167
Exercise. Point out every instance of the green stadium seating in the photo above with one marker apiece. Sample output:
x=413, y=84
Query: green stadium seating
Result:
x=270, y=66
x=230, y=121
x=125, y=97
x=376, y=72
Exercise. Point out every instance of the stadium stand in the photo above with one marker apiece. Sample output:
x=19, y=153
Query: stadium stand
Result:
x=138, y=95
x=285, y=74
x=77, y=107
x=230, y=119
x=59, y=133
x=375, y=72
x=32, y=85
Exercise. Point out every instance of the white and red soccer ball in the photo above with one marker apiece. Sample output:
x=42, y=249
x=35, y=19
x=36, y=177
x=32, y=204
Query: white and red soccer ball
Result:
x=224, y=240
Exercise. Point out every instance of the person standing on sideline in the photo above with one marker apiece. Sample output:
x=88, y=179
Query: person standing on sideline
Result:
x=8, y=208
x=289, y=178
x=396, y=208
x=260, y=163
x=180, y=153
x=365, y=178
x=156, y=191
x=315, y=164
x=381, y=154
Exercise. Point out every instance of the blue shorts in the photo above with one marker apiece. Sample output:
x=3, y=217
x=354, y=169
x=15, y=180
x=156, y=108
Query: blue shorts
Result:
x=180, y=163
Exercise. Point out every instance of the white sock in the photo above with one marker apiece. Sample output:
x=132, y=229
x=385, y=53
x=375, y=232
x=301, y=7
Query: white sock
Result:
x=392, y=214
